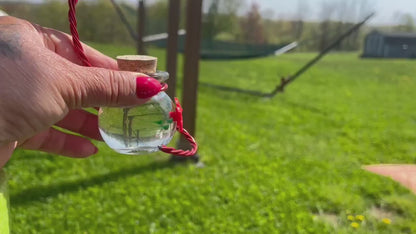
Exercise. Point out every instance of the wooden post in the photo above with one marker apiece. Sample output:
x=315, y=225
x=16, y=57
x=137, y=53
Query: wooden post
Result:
x=141, y=17
x=172, y=46
x=191, y=66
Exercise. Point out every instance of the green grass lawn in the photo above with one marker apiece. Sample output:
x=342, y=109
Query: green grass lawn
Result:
x=291, y=164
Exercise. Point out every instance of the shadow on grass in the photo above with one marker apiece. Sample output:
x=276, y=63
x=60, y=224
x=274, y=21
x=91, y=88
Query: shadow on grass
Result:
x=306, y=107
x=231, y=92
x=42, y=192
x=210, y=89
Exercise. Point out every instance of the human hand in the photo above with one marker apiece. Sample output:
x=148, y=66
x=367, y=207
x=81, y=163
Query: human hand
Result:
x=42, y=83
x=405, y=174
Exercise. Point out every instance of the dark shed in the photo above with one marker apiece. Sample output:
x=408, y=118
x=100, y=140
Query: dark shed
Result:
x=390, y=45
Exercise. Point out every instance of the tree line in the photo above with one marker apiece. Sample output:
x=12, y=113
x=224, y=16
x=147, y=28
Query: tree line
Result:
x=229, y=20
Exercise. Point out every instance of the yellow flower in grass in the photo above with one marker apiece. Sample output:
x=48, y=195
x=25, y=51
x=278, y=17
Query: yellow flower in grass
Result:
x=355, y=225
x=360, y=217
x=351, y=217
x=386, y=221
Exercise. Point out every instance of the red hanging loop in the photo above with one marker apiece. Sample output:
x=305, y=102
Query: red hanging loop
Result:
x=176, y=115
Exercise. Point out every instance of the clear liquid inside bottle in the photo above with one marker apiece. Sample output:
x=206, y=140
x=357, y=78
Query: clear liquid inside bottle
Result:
x=138, y=130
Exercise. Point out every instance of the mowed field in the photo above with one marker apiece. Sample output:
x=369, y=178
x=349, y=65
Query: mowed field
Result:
x=290, y=164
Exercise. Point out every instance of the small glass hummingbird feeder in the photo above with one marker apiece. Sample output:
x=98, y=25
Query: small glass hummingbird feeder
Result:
x=145, y=128
x=141, y=129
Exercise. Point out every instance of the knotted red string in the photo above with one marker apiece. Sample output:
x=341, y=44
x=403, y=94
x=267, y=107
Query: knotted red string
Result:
x=176, y=115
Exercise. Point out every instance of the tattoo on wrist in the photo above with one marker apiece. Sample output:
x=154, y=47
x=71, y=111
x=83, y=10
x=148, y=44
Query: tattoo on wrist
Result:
x=9, y=42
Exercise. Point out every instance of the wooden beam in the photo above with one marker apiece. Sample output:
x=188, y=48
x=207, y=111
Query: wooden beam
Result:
x=172, y=46
x=191, y=65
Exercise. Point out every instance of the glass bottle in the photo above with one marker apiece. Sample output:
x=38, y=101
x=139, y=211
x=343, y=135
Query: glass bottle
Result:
x=141, y=129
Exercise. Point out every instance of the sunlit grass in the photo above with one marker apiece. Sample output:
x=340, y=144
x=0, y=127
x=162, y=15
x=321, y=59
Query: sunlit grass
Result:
x=291, y=164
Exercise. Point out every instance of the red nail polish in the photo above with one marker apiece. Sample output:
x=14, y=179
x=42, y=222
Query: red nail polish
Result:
x=95, y=150
x=147, y=87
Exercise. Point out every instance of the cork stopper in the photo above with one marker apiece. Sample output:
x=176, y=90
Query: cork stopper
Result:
x=137, y=63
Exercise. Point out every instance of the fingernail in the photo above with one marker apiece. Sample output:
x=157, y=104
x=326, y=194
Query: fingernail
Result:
x=89, y=150
x=147, y=87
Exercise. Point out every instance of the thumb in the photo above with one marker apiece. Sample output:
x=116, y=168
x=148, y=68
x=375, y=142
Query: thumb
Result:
x=104, y=87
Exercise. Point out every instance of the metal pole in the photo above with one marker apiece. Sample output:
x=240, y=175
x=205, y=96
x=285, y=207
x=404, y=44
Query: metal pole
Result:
x=124, y=20
x=172, y=46
x=327, y=49
x=287, y=80
x=141, y=17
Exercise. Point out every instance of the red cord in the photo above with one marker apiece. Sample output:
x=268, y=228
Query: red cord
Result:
x=75, y=37
x=164, y=87
x=176, y=115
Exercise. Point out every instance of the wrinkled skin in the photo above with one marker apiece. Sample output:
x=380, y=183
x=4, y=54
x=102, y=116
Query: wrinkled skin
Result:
x=42, y=83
